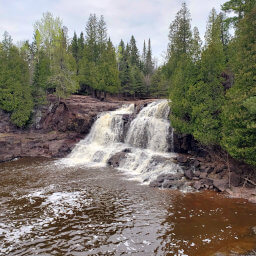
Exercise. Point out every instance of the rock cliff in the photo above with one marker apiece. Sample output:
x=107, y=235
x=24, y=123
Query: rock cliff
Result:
x=55, y=128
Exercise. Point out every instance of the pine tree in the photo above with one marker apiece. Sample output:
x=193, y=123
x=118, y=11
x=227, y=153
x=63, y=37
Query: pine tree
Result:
x=180, y=35
x=149, y=66
x=134, y=54
x=207, y=94
x=239, y=110
x=239, y=7
x=74, y=50
x=91, y=38
x=109, y=75
x=15, y=91
x=180, y=67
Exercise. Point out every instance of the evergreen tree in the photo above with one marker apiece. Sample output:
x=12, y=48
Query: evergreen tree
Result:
x=180, y=69
x=41, y=78
x=239, y=8
x=239, y=111
x=159, y=85
x=92, y=38
x=149, y=66
x=74, y=50
x=134, y=53
x=196, y=46
x=15, y=91
x=109, y=75
x=207, y=94
x=180, y=35
x=138, y=87
x=125, y=70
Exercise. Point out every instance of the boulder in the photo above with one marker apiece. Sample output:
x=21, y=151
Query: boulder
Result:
x=174, y=184
x=182, y=159
x=114, y=160
x=220, y=185
x=189, y=174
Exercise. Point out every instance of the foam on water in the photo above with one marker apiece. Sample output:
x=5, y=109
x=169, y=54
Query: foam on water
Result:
x=147, y=142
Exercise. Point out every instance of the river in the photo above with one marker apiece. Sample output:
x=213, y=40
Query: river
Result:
x=50, y=210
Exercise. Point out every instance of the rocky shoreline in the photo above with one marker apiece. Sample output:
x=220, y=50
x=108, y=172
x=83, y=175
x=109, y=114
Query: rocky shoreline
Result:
x=231, y=177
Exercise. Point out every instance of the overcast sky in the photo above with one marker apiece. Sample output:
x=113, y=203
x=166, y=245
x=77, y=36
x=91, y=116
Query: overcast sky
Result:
x=142, y=18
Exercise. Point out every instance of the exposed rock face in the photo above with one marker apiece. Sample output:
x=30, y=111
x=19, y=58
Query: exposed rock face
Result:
x=56, y=127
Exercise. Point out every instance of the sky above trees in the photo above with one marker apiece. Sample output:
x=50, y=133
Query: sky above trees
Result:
x=141, y=18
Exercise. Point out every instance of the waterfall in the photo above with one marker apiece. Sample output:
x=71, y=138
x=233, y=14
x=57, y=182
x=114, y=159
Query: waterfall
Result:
x=144, y=145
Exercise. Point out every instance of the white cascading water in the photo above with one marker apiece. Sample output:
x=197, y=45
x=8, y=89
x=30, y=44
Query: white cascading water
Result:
x=145, y=143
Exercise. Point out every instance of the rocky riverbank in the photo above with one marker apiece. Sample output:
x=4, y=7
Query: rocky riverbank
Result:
x=56, y=127
x=209, y=169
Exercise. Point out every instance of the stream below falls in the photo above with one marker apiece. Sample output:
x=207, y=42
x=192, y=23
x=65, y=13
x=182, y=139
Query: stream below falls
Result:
x=48, y=209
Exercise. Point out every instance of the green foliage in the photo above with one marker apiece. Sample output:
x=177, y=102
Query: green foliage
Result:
x=160, y=84
x=239, y=8
x=15, y=92
x=108, y=72
x=98, y=69
x=239, y=110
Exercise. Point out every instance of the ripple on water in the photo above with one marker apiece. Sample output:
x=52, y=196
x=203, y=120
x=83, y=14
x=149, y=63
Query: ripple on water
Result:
x=77, y=211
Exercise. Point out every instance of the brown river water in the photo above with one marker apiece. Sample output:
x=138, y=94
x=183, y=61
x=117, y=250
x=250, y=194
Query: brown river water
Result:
x=48, y=209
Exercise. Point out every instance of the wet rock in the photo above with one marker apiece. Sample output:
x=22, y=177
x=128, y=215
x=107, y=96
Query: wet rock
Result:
x=174, y=184
x=196, y=163
x=197, y=185
x=206, y=182
x=203, y=175
x=235, y=179
x=182, y=159
x=161, y=178
x=176, y=176
x=155, y=184
x=189, y=174
x=220, y=185
x=127, y=150
x=114, y=160
x=203, y=184
x=197, y=173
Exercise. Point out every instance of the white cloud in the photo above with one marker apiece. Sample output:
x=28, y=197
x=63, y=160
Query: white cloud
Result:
x=142, y=18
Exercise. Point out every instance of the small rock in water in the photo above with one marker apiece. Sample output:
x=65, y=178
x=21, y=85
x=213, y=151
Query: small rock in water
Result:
x=182, y=159
x=155, y=184
x=161, y=178
x=189, y=174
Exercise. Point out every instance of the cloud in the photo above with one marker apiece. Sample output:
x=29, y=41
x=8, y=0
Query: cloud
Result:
x=142, y=18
